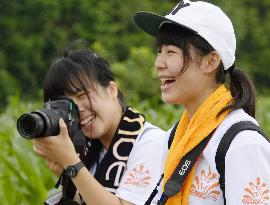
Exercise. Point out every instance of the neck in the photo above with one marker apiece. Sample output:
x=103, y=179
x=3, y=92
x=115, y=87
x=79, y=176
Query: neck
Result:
x=196, y=102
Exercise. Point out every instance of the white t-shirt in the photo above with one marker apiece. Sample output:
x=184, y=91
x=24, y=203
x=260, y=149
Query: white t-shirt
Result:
x=247, y=168
x=144, y=166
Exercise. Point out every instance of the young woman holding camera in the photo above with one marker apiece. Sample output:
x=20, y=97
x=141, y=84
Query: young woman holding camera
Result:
x=118, y=167
x=195, y=55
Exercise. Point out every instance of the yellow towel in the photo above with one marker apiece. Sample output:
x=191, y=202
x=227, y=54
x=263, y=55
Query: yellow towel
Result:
x=190, y=132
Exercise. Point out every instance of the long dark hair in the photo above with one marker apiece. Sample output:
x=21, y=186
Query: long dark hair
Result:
x=241, y=88
x=74, y=72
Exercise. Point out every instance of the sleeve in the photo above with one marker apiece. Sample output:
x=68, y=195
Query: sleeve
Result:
x=247, y=170
x=144, y=166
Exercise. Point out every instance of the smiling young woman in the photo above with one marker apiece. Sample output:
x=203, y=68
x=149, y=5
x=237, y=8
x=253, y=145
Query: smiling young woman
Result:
x=118, y=165
x=196, y=54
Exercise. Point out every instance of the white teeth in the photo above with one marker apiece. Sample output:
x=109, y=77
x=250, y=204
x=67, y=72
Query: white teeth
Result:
x=164, y=80
x=87, y=120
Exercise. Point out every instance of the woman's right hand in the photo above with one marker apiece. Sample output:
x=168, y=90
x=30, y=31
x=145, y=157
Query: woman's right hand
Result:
x=58, y=149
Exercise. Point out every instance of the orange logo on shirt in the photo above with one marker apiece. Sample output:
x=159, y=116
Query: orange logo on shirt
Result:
x=206, y=186
x=256, y=193
x=138, y=177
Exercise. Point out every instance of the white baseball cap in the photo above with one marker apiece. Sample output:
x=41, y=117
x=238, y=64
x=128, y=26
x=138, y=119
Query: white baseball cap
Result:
x=202, y=18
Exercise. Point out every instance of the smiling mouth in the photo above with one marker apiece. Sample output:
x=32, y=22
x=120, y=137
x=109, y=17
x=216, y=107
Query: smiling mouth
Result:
x=167, y=81
x=88, y=120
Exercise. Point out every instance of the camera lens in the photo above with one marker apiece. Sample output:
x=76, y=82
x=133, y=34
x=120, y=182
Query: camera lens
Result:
x=43, y=123
x=31, y=125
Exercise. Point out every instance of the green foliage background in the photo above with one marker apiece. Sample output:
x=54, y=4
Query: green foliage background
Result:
x=35, y=32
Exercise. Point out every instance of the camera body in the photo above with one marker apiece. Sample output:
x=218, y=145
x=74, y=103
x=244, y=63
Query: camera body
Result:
x=42, y=123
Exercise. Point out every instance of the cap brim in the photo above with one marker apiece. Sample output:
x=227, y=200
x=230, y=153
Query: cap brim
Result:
x=150, y=23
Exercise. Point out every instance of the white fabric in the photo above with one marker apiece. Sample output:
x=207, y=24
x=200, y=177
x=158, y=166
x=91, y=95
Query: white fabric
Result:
x=247, y=168
x=144, y=166
x=211, y=23
x=205, y=19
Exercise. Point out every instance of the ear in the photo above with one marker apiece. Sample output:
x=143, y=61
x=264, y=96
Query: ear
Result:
x=211, y=62
x=113, y=90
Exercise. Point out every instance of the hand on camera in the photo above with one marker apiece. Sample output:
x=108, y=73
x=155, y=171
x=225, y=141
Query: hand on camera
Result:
x=58, y=149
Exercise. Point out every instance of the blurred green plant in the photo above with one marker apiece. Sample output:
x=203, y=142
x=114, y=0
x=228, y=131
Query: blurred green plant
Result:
x=24, y=178
x=35, y=32
x=263, y=113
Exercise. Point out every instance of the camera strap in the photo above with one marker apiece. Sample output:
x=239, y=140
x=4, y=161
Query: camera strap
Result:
x=175, y=183
x=69, y=189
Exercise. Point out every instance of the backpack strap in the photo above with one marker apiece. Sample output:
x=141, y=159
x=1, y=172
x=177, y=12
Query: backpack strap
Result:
x=224, y=145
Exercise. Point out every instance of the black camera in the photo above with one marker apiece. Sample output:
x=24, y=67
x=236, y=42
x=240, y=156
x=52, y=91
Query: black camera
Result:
x=42, y=123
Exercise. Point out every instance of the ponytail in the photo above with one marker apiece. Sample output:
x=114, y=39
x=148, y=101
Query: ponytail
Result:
x=241, y=88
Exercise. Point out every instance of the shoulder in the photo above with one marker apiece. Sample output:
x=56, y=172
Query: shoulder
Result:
x=142, y=172
x=151, y=132
x=247, y=159
x=152, y=139
x=242, y=139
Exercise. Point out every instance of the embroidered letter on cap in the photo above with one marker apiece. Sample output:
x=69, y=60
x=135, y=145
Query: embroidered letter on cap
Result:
x=181, y=5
